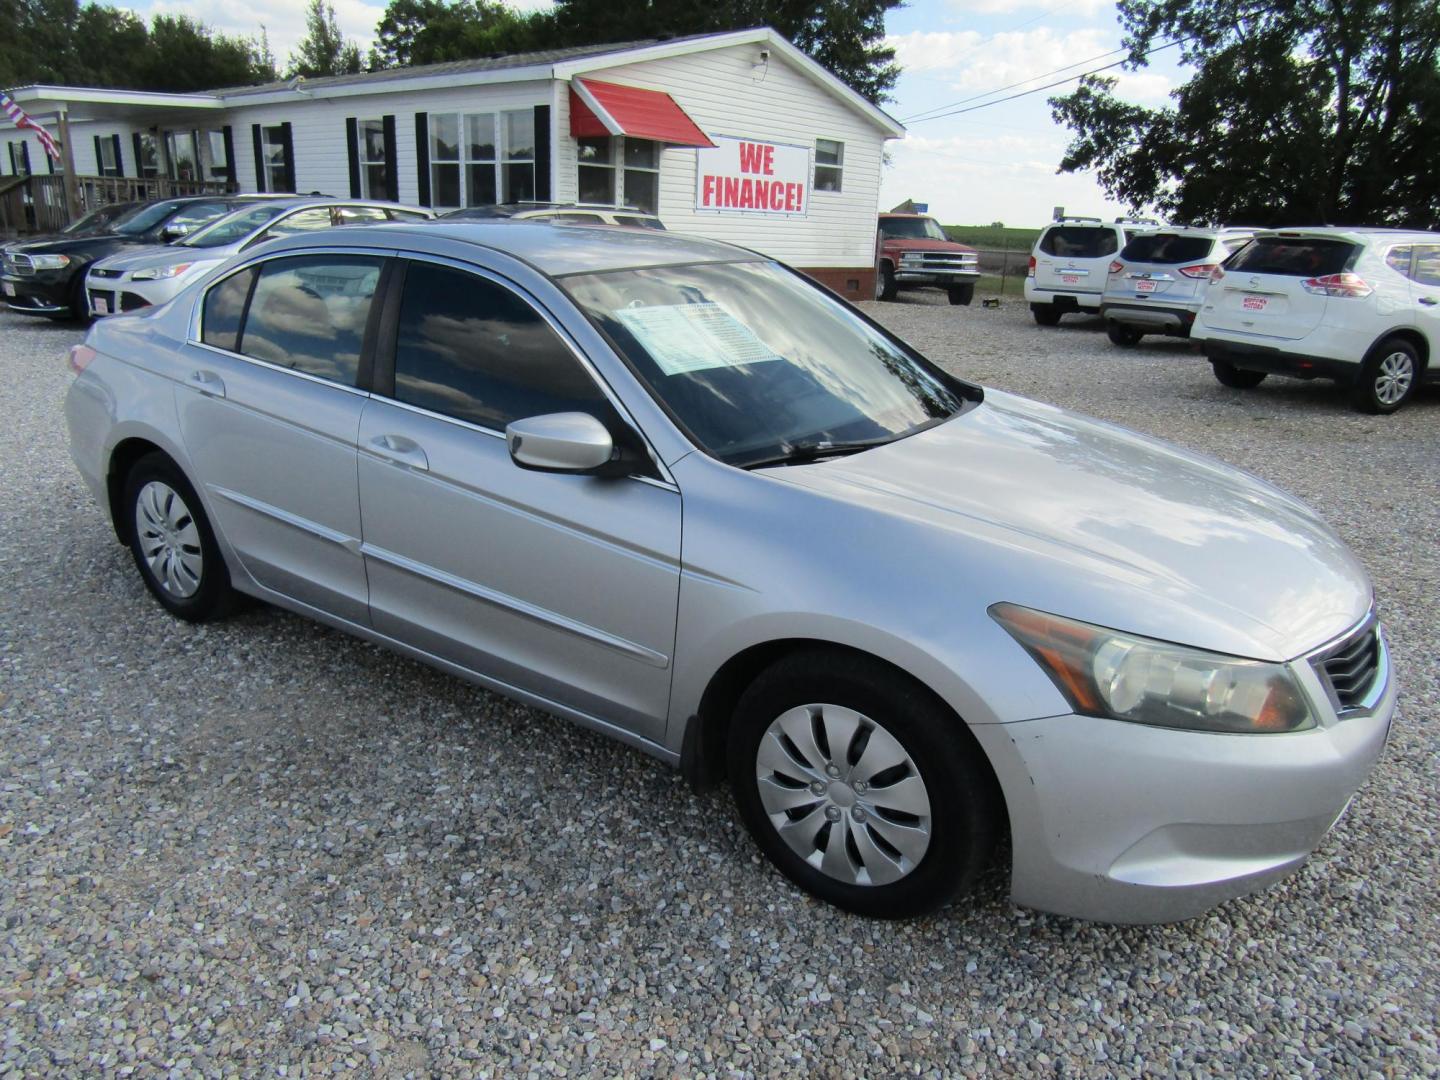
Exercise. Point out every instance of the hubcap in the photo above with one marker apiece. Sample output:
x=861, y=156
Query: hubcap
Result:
x=843, y=794
x=1392, y=382
x=169, y=540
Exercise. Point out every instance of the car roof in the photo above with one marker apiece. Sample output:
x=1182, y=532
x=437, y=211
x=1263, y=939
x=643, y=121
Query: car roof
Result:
x=1358, y=234
x=553, y=249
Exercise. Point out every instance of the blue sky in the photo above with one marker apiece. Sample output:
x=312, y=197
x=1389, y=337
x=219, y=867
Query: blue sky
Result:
x=996, y=163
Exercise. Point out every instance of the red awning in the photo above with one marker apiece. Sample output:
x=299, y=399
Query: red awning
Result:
x=601, y=108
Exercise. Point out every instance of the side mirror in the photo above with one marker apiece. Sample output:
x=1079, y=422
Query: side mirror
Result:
x=175, y=232
x=572, y=442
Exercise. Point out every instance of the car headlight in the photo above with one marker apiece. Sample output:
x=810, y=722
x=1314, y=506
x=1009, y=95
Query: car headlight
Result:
x=159, y=272
x=1122, y=676
x=49, y=262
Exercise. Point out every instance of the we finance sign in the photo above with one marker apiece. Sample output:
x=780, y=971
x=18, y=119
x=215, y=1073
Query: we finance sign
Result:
x=743, y=176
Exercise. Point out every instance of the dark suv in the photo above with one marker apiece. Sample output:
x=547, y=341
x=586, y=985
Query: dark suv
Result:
x=47, y=277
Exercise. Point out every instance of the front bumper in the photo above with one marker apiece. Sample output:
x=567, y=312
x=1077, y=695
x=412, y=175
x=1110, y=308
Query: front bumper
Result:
x=1125, y=823
x=111, y=295
x=937, y=277
x=45, y=292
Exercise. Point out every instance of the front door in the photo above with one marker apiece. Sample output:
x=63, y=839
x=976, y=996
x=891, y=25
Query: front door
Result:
x=269, y=409
x=564, y=586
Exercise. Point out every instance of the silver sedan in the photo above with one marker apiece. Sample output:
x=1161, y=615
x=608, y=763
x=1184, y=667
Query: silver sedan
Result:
x=678, y=493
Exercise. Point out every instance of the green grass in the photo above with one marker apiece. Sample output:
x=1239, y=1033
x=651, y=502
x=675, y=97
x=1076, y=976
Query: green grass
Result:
x=991, y=238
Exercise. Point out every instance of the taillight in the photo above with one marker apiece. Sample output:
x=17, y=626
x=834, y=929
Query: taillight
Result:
x=1116, y=267
x=1347, y=284
x=1030, y=270
x=1217, y=273
x=1200, y=270
x=80, y=357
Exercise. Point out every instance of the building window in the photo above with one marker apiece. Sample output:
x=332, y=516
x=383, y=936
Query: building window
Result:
x=109, y=165
x=374, y=169
x=829, y=164
x=462, y=170
x=619, y=171
x=517, y=176
x=219, y=160
x=183, y=154
x=147, y=149
x=19, y=158
x=272, y=151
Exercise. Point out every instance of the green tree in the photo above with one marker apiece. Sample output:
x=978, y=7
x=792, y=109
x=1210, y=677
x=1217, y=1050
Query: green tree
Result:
x=434, y=31
x=1299, y=111
x=324, y=50
x=182, y=55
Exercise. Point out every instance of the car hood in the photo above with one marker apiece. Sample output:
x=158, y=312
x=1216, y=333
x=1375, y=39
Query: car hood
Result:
x=71, y=244
x=160, y=255
x=1103, y=524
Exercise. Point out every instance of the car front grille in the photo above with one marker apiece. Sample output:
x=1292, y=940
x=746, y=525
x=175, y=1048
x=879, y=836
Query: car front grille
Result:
x=937, y=260
x=1351, y=668
x=19, y=265
x=132, y=302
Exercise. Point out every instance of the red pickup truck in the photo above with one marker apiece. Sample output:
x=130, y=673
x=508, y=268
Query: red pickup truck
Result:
x=913, y=252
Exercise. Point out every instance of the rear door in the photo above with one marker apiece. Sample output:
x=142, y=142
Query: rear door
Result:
x=1075, y=258
x=1263, y=293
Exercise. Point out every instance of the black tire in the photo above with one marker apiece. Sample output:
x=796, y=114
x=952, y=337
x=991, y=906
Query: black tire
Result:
x=1375, y=390
x=1120, y=334
x=79, y=302
x=1236, y=378
x=961, y=295
x=964, y=808
x=212, y=596
x=886, y=287
x=1046, y=314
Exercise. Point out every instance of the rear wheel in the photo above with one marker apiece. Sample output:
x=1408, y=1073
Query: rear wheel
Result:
x=172, y=543
x=860, y=787
x=1236, y=378
x=1046, y=314
x=1387, y=378
x=885, y=287
x=961, y=295
x=1124, y=335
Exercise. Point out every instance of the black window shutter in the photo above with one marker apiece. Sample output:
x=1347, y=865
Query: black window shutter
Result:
x=542, y=153
x=392, y=173
x=139, y=156
x=230, y=173
x=99, y=161
x=352, y=142
x=288, y=143
x=422, y=156
x=119, y=159
x=259, y=156
x=25, y=156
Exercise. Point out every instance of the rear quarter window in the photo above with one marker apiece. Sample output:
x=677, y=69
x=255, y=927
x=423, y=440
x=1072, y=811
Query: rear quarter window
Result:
x=1297, y=257
x=1079, y=242
x=1167, y=248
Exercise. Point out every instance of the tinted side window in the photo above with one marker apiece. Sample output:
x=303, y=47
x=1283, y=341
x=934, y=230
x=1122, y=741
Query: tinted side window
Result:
x=304, y=221
x=355, y=215
x=1297, y=257
x=1427, y=264
x=309, y=313
x=472, y=349
x=224, y=307
x=1079, y=242
x=1398, y=259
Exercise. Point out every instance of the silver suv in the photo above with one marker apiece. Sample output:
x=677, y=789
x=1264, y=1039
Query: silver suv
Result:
x=1070, y=262
x=684, y=496
x=1158, y=282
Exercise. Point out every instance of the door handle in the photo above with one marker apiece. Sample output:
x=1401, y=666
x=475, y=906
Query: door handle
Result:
x=1429, y=301
x=400, y=450
x=207, y=382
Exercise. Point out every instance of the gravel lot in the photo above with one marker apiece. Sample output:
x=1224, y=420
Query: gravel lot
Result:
x=263, y=847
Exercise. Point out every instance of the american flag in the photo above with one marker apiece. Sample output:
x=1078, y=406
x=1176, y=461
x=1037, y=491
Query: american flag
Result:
x=22, y=121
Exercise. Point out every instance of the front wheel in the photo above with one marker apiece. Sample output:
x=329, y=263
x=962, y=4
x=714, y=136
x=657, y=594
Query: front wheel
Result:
x=961, y=295
x=860, y=787
x=1387, y=378
x=1120, y=334
x=1046, y=314
x=1235, y=378
x=885, y=286
x=172, y=543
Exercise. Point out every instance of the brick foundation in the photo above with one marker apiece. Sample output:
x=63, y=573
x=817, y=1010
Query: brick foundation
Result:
x=853, y=283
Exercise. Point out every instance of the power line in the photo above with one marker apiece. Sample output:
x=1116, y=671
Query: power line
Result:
x=1033, y=90
x=924, y=115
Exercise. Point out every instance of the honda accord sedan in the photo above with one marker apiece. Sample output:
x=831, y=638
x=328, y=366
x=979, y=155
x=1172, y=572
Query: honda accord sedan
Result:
x=676, y=492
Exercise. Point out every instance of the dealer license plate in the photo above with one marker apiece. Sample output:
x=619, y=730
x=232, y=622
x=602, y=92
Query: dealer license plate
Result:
x=1254, y=303
x=1144, y=286
x=1070, y=279
x=9, y=289
x=102, y=306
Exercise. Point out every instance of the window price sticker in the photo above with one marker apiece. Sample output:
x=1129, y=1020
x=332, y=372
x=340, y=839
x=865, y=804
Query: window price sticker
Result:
x=682, y=338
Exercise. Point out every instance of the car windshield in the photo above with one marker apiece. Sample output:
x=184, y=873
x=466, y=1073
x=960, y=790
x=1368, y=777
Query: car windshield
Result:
x=233, y=227
x=146, y=217
x=758, y=364
x=916, y=228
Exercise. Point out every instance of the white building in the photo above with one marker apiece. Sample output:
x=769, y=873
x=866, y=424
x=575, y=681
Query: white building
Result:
x=737, y=136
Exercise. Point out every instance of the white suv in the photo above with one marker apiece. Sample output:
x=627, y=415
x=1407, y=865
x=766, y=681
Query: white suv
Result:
x=1360, y=306
x=1070, y=263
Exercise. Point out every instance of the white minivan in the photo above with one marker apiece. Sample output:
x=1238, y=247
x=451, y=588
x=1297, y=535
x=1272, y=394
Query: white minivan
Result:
x=1360, y=306
x=1070, y=263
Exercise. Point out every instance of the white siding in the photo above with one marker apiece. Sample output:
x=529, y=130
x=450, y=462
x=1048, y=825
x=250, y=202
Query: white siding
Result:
x=726, y=94
x=322, y=158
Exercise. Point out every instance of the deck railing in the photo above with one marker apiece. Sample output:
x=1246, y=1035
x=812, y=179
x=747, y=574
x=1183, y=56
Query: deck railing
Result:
x=36, y=204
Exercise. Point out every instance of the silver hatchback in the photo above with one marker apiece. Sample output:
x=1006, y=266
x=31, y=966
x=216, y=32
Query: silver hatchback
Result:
x=680, y=494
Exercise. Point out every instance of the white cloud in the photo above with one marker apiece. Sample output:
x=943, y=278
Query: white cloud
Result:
x=1010, y=7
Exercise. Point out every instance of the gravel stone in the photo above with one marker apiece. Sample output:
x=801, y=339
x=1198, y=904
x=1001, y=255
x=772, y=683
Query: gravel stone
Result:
x=261, y=847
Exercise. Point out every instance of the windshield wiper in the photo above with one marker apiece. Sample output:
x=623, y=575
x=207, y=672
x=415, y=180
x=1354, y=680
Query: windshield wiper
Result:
x=802, y=453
